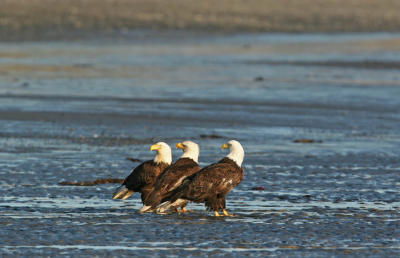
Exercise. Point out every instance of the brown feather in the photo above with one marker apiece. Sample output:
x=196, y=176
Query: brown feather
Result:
x=211, y=184
x=143, y=177
x=170, y=179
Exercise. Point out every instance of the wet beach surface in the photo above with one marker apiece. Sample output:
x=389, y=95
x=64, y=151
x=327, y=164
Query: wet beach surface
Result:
x=74, y=111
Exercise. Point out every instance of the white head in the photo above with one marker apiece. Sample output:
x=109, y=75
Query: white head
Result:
x=236, y=151
x=190, y=150
x=164, y=152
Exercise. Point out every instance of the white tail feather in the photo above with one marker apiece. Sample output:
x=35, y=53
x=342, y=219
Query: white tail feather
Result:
x=122, y=193
x=166, y=206
x=146, y=209
x=163, y=207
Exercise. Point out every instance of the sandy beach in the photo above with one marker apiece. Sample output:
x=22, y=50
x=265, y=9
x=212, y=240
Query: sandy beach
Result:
x=51, y=19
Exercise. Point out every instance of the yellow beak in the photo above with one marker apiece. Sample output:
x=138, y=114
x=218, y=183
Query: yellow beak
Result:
x=180, y=145
x=155, y=147
x=225, y=146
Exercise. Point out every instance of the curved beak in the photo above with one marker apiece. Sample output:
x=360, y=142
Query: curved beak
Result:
x=225, y=146
x=180, y=145
x=155, y=147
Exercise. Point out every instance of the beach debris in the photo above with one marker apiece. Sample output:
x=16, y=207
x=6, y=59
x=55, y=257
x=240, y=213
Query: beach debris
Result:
x=258, y=188
x=95, y=182
x=308, y=156
x=290, y=247
x=83, y=65
x=305, y=140
x=133, y=159
x=259, y=79
x=211, y=136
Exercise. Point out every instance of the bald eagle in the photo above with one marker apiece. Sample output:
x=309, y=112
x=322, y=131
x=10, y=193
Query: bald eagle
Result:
x=173, y=176
x=211, y=184
x=143, y=177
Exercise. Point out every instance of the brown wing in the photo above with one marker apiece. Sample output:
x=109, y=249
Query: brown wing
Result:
x=214, y=181
x=144, y=175
x=173, y=177
x=170, y=179
x=219, y=202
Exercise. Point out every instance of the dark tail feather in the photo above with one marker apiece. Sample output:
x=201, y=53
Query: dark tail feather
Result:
x=153, y=199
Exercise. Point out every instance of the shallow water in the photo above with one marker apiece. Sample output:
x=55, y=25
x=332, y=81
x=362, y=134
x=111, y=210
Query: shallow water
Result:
x=75, y=110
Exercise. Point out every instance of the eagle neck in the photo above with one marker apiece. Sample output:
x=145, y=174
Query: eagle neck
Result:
x=237, y=155
x=191, y=154
x=163, y=157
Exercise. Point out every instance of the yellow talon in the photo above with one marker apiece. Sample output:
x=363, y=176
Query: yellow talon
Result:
x=183, y=209
x=216, y=214
x=226, y=213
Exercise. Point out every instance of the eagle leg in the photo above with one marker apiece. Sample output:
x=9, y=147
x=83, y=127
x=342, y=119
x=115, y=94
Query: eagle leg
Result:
x=216, y=214
x=182, y=210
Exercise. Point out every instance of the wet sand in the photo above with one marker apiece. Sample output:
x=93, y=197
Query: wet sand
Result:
x=74, y=111
x=72, y=19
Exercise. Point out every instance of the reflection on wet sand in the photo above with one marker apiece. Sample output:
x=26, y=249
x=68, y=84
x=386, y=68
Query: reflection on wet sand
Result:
x=75, y=111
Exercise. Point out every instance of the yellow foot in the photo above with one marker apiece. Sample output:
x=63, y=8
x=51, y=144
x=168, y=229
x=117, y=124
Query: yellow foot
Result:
x=226, y=213
x=216, y=214
x=182, y=210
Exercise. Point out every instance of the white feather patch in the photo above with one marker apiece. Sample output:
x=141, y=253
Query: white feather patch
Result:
x=177, y=183
x=145, y=209
x=166, y=206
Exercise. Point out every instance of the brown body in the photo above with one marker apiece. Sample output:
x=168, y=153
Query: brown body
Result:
x=211, y=184
x=142, y=179
x=170, y=180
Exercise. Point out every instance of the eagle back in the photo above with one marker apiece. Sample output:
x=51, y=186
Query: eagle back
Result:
x=173, y=176
x=144, y=175
x=218, y=178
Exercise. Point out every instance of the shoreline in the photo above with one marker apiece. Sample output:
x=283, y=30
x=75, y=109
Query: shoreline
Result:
x=186, y=35
x=77, y=19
